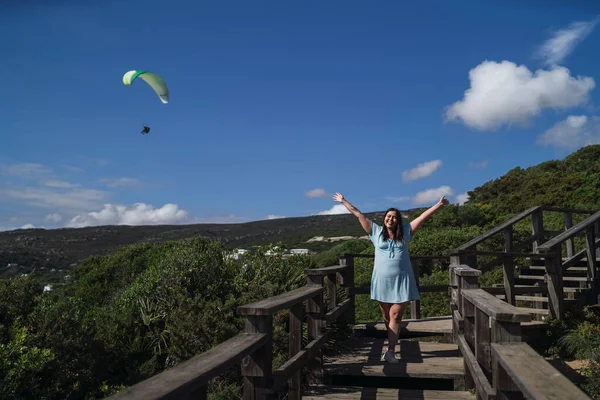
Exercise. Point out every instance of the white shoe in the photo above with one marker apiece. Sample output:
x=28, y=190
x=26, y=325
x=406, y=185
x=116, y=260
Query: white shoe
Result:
x=390, y=358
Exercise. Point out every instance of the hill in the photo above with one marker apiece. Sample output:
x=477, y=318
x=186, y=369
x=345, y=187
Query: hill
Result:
x=573, y=182
x=61, y=248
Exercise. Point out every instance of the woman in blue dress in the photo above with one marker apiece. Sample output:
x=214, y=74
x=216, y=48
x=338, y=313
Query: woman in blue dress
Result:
x=393, y=283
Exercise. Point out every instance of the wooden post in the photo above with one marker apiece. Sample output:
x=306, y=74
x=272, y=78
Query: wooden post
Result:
x=537, y=228
x=504, y=332
x=348, y=261
x=590, y=239
x=331, y=291
x=463, y=278
x=597, y=225
x=569, y=242
x=415, y=306
x=553, y=261
x=482, y=342
x=256, y=368
x=316, y=327
x=295, y=345
x=509, y=267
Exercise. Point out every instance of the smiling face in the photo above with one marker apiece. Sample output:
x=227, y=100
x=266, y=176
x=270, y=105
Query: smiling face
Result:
x=391, y=220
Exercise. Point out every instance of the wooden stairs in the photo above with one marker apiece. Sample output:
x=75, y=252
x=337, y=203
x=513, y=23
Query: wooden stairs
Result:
x=428, y=368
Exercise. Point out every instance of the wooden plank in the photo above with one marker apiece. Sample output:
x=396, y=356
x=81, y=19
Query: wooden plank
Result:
x=568, y=210
x=497, y=229
x=283, y=301
x=533, y=375
x=189, y=375
x=297, y=362
x=334, y=314
x=494, y=307
x=369, y=393
x=294, y=347
x=326, y=270
x=517, y=290
x=465, y=270
x=482, y=385
x=550, y=244
x=416, y=359
x=434, y=325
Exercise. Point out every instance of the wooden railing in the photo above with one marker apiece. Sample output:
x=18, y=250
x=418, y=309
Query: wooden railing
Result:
x=498, y=365
x=468, y=252
x=253, y=348
x=552, y=252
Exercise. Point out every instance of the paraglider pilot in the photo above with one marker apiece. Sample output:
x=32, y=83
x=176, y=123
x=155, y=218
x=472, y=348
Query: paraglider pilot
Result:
x=145, y=130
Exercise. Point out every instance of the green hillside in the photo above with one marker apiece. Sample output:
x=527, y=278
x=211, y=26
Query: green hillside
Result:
x=573, y=182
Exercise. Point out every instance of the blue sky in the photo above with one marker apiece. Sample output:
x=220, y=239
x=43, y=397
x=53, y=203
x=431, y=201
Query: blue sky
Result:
x=277, y=105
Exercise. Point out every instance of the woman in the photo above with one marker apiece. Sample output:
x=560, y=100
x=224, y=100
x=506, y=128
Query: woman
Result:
x=393, y=283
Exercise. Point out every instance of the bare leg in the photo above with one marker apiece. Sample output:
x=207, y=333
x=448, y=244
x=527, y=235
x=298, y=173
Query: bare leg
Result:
x=396, y=313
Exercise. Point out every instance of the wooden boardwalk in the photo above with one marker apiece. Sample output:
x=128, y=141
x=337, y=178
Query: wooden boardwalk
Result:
x=367, y=393
x=416, y=360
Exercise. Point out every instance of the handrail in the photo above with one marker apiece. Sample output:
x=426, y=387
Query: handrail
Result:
x=498, y=228
x=569, y=233
x=519, y=367
x=488, y=334
x=193, y=375
x=271, y=305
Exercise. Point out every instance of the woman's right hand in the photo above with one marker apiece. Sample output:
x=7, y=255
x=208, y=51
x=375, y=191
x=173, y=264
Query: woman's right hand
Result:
x=338, y=197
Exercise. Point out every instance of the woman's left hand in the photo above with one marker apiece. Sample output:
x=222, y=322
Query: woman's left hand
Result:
x=443, y=201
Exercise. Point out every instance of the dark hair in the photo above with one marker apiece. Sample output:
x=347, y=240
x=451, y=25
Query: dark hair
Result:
x=399, y=231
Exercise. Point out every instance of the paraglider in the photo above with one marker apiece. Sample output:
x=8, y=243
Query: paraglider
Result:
x=153, y=80
x=157, y=84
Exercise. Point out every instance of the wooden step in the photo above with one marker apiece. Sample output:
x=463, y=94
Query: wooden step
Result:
x=565, y=278
x=542, y=268
x=368, y=393
x=530, y=298
x=428, y=326
x=433, y=326
x=539, y=311
x=416, y=360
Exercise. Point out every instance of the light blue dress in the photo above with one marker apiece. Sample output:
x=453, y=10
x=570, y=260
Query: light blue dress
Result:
x=393, y=280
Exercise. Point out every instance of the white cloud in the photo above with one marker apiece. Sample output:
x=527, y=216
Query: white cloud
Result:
x=318, y=192
x=421, y=171
x=337, y=209
x=137, y=214
x=74, y=199
x=25, y=170
x=124, y=181
x=461, y=198
x=432, y=195
x=56, y=183
x=573, y=132
x=28, y=226
x=563, y=41
x=481, y=164
x=505, y=94
x=273, y=216
x=54, y=217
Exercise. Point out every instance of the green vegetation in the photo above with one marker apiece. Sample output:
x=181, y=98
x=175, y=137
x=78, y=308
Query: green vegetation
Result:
x=144, y=308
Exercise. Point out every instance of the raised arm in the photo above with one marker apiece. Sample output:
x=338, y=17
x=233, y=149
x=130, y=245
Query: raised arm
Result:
x=364, y=221
x=416, y=224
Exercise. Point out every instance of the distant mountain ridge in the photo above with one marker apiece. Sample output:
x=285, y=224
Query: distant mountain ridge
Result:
x=572, y=182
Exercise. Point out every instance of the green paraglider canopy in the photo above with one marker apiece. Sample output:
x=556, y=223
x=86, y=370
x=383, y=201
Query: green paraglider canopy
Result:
x=156, y=82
